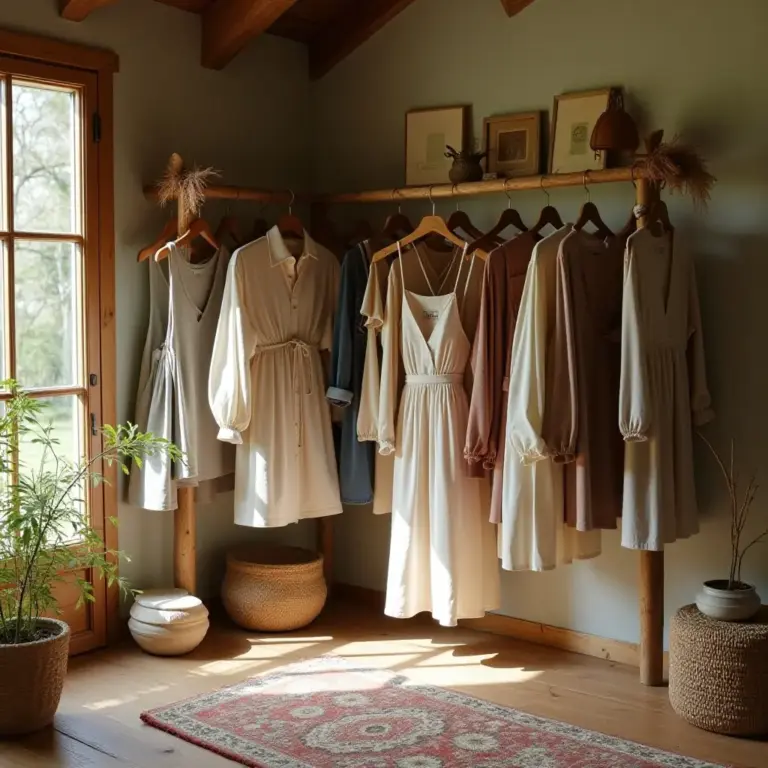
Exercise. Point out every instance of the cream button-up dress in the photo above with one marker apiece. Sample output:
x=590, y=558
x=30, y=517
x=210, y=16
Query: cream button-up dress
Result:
x=267, y=385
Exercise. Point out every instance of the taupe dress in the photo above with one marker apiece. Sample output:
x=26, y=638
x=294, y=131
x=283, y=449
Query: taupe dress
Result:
x=580, y=419
x=503, y=282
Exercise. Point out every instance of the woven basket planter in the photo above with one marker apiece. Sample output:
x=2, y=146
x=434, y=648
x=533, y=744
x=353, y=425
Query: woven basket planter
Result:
x=31, y=680
x=718, y=672
x=274, y=589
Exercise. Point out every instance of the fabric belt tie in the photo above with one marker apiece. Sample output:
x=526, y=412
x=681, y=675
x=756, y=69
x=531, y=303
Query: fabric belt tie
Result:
x=446, y=378
x=302, y=376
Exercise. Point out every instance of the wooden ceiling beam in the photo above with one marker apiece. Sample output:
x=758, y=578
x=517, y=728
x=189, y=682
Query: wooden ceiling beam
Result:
x=513, y=7
x=346, y=34
x=228, y=25
x=77, y=10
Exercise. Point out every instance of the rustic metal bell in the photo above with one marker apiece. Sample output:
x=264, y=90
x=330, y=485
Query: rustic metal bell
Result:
x=615, y=130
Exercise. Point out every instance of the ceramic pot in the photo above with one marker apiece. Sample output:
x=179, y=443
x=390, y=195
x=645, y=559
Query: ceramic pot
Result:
x=32, y=678
x=168, y=623
x=274, y=589
x=718, y=602
x=466, y=169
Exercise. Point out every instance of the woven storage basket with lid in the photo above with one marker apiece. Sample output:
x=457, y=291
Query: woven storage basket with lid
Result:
x=274, y=589
x=718, y=672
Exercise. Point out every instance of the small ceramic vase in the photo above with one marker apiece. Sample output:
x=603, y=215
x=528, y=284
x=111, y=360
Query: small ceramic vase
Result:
x=718, y=602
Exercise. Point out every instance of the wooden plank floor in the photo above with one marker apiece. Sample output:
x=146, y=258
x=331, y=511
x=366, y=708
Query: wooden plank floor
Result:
x=98, y=723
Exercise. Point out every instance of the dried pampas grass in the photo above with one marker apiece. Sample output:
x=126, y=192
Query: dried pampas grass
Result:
x=186, y=186
x=678, y=166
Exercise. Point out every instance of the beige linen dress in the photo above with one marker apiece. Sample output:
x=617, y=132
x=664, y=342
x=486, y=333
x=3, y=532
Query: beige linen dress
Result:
x=580, y=419
x=267, y=384
x=534, y=536
x=663, y=392
x=442, y=546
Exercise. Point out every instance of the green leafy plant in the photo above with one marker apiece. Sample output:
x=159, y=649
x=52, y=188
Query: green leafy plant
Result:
x=45, y=534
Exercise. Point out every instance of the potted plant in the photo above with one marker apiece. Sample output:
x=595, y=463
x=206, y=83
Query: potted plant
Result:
x=732, y=599
x=44, y=534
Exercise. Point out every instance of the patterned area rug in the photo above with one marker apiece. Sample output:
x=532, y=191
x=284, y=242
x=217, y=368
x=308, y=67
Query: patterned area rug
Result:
x=328, y=713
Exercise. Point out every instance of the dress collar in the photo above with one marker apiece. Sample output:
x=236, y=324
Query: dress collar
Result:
x=278, y=250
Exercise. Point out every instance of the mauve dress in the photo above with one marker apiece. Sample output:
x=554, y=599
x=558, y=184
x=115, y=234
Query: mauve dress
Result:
x=503, y=282
x=580, y=425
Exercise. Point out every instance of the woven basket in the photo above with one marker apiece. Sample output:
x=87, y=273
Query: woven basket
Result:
x=718, y=672
x=31, y=680
x=274, y=589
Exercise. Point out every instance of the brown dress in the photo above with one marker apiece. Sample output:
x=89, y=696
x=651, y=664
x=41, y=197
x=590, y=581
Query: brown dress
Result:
x=503, y=282
x=580, y=425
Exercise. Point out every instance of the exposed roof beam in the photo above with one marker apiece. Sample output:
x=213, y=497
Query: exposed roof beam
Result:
x=77, y=10
x=229, y=24
x=349, y=32
x=513, y=7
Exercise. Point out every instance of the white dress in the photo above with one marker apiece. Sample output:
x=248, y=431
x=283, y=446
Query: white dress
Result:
x=442, y=546
x=663, y=392
x=534, y=536
x=267, y=385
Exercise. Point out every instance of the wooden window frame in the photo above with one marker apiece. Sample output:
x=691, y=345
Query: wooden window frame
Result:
x=102, y=64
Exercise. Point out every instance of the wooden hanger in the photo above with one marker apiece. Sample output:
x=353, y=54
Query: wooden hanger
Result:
x=290, y=225
x=170, y=231
x=198, y=228
x=429, y=225
x=548, y=215
x=590, y=215
x=459, y=221
x=361, y=231
x=397, y=225
x=509, y=218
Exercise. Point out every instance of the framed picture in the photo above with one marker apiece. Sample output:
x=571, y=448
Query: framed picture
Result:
x=427, y=132
x=573, y=119
x=513, y=144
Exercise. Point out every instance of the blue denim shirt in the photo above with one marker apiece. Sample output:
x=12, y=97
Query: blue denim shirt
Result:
x=356, y=459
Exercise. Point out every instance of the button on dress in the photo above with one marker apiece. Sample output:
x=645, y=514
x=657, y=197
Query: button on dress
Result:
x=663, y=392
x=267, y=385
x=442, y=547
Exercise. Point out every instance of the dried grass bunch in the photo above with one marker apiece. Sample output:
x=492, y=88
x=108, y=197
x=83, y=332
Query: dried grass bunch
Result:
x=679, y=167
x=740, y=505
x=186, y=186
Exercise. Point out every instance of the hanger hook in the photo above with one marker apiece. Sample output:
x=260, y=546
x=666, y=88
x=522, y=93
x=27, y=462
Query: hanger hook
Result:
x=453, y=194
x=293, y=200
x=545, y=191
x=509, y=197
x=586, y=188
x=396, y=196
x=432, y=200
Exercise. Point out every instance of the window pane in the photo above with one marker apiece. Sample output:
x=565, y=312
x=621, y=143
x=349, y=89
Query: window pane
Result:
x=63, y=415
x=45, y=169
x=47, y=300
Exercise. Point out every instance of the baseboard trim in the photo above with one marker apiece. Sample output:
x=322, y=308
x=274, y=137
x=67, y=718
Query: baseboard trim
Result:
x=618, y=651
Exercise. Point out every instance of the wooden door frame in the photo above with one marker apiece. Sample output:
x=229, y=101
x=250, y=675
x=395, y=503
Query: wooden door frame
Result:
x=104, y=64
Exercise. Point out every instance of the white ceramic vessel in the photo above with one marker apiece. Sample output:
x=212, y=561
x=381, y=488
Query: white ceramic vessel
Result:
x=718, y=602
x=168, y=622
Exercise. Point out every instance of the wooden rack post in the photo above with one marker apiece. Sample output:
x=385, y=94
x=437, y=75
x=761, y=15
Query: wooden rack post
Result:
x=651, y=582
x=651, y=563
x=184, y=518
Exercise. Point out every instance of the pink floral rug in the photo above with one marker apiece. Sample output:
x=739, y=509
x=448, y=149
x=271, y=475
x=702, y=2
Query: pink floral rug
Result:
x=328, y=713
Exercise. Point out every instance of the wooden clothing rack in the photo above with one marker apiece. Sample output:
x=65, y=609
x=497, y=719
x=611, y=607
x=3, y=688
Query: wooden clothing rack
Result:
x=651, y=577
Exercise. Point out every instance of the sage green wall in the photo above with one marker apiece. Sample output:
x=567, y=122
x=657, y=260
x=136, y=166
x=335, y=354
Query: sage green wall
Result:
x=250, y=121
x=687, y=65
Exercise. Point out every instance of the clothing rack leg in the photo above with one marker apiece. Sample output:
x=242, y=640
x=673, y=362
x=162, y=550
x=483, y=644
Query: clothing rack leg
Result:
x=184, y=518
x=651, y=563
